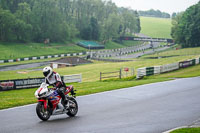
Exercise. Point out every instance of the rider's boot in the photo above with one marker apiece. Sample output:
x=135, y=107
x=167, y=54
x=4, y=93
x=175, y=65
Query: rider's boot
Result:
x=64, y=101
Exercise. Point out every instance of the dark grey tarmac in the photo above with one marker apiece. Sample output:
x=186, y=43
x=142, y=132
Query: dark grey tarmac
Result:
x=23, y=66
x=152, y=108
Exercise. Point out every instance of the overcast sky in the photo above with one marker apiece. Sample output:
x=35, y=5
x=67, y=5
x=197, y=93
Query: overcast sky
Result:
x=168, y=6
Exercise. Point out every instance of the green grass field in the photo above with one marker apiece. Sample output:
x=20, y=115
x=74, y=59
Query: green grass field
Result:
x=156, y=27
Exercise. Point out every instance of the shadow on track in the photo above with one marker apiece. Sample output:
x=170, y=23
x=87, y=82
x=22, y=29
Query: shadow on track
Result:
x=60, y=120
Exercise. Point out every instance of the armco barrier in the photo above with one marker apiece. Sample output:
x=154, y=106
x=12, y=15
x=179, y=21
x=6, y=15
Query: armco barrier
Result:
x=72, y=78
x=33, y=82
x=185, y=64
x=157, y=70
x=169, y=67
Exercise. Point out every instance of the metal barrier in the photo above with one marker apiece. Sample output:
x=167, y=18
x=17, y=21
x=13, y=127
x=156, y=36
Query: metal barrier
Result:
x=72, y=78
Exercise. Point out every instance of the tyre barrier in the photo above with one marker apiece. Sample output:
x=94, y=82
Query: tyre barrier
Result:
x=148, y=71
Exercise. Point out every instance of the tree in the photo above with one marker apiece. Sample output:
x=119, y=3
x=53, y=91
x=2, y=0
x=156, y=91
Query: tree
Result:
x=62, y=20
x=95, y=29
x=174, y=15
x=186, y=27
x=7, y=22
x=154, y=13
x=23, y=28
x=48, y=22
x=111, y=27
x=22, y=31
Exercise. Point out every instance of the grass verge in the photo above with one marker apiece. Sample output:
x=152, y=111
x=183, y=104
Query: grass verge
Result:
x=187, y=130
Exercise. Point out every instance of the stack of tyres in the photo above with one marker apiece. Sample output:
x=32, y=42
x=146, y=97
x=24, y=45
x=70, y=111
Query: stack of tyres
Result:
x=149, y=71
x=193, y=62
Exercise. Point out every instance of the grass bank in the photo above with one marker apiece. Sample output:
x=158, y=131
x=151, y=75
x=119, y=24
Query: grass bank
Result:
x=23, y=50
x=20, y=50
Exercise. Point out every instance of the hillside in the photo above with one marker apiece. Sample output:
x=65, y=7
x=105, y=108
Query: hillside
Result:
x=23, y=50
x=156, y=27
x=153, y=27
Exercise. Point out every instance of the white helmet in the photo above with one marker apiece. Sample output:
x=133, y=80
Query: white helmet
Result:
x=47, y=71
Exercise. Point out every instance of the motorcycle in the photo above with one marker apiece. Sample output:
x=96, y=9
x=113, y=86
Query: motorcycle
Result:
x=49, y=102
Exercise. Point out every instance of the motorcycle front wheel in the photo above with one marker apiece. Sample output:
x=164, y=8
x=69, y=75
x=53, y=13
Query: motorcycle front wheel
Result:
x=41, y=112
x=73, y=107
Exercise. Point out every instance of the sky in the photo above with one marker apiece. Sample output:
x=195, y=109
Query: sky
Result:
x=168, y=6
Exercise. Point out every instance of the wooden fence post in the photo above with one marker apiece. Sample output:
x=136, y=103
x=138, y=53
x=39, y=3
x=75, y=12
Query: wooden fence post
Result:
x=120, y=73
x=100, y=76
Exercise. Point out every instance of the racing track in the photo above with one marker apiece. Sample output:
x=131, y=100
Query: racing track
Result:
x=151, y=108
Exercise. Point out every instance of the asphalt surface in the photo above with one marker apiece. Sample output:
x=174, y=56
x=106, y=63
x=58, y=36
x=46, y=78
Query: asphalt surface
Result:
x=152, y=108
x=23, y=66
x=139, y=54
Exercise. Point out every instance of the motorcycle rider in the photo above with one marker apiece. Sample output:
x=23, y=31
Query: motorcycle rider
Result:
x=54, y=79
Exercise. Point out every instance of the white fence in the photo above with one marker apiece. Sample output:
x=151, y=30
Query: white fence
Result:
x=169, y=67
x=197, y=60
x=72, y=78
x=141, y=72
x=157, y=69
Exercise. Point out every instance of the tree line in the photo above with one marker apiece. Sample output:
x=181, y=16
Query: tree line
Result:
x=186, y=27
x=63, y=20
x=154, y=13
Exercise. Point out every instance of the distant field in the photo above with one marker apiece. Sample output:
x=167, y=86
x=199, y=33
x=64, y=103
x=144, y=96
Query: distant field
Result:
x=156, y=27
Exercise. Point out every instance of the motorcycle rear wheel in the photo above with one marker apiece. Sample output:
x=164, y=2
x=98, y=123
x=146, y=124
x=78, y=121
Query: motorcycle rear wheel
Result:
x=42, y=114
x=73, y=107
